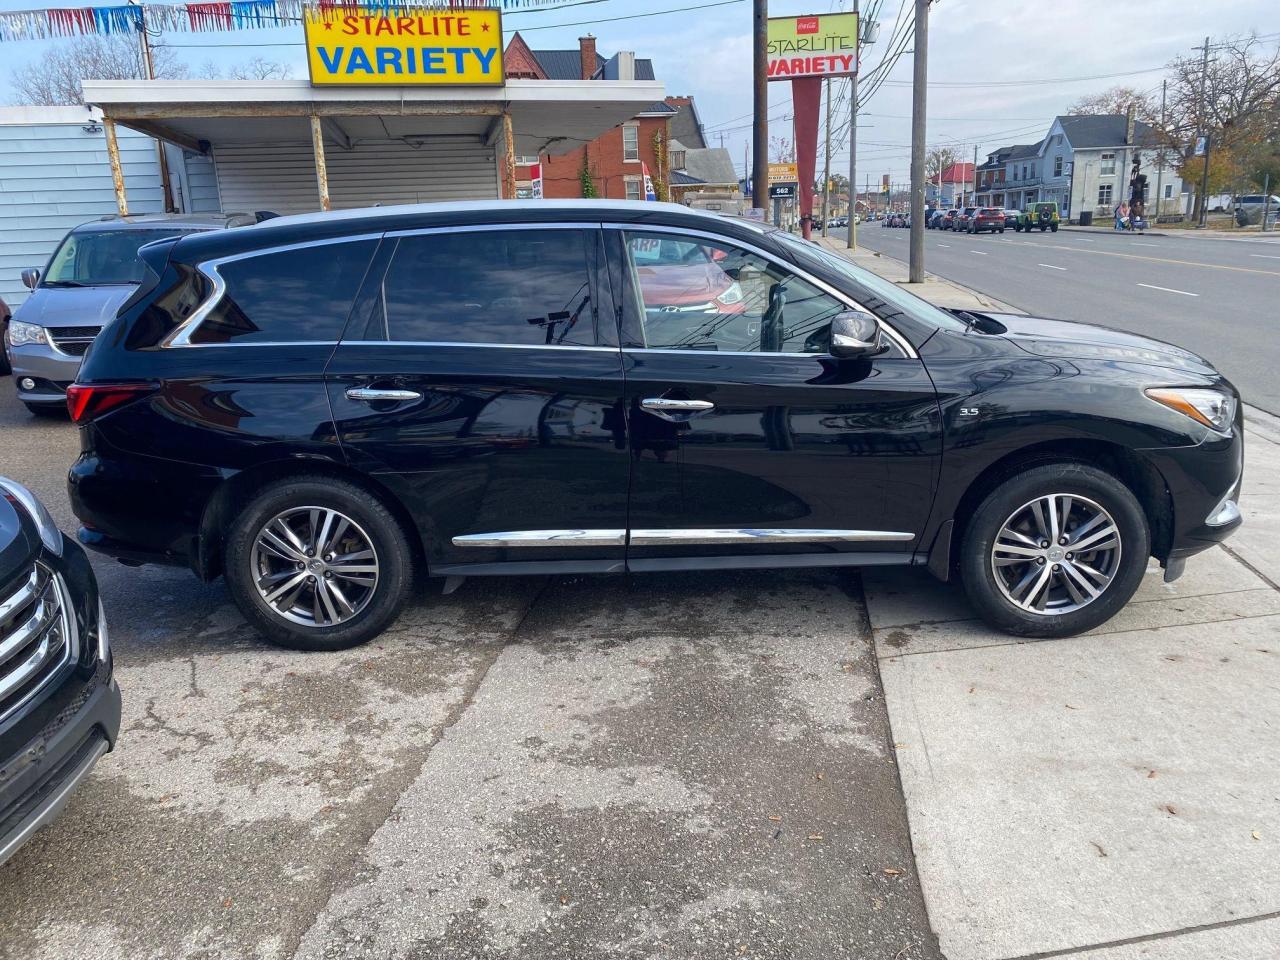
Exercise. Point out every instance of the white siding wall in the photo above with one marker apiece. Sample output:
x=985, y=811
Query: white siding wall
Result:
x=202, y=184
x=282, y=177
x=54, y=176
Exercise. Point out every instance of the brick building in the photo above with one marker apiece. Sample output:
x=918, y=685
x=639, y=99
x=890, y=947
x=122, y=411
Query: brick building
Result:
x=614, y=162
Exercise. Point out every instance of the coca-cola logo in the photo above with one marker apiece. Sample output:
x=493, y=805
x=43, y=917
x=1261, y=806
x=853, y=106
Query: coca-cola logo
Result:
x=806, y=25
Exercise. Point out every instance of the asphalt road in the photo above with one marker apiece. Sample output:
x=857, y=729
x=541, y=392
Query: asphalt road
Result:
x=1218, y=298
x=689, y=767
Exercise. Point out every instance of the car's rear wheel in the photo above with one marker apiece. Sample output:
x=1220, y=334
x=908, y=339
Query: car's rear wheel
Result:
x=1054, y=551
x=6, y=362
x=316, y=563
x=1053, y=227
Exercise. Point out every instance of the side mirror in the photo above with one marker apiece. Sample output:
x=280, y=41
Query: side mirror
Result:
x=855, y=334
x=30, y=277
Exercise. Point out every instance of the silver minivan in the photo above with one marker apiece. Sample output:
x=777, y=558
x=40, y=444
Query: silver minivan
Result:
x=92, y=272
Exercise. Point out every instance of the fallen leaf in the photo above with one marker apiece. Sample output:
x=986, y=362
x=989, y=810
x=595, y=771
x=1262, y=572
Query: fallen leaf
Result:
x=226, y=904
x=892, y=872
x=1169, y=808
x=1151, y=775
x=1070, y=707
x=971, y=689
x=1098, y=847
x=776, y=819
x=819, y=776
x=815, y=836
x=1257, y=835
x=564, y=898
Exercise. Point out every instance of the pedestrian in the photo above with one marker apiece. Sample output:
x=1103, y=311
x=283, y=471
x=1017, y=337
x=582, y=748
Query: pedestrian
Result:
x=1122, y=215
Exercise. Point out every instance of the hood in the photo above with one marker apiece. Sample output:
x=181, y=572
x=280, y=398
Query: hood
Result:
x=74, y=306
x=16, y=548
x=1064, y=339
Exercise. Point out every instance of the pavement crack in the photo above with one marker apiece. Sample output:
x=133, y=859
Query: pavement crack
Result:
x=1249, y=566
x=1149, y=937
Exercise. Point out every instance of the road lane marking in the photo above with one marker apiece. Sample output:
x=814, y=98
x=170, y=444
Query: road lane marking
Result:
x=978, y=252
x=1152, y=286
x=947, y=245
x=1086, y=239
x=1139, y=256
x=1264, y=256
x=1138, y=244
x=1050, y=266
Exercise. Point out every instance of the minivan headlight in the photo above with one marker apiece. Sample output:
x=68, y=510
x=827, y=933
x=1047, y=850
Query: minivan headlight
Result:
x=50, y=535
x=1212, y=408
x=21, y=333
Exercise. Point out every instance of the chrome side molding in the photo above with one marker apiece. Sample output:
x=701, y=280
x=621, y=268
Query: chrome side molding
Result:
x=675, y=536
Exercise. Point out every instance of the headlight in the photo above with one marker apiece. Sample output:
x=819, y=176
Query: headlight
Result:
x=49, y=532
x=1212, y=408
x=21, y=332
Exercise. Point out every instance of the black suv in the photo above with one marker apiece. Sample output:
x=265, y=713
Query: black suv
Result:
x=59, y=704
x=323, y=406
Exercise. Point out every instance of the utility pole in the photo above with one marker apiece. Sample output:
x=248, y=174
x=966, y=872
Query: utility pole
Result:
x=1164, y=89
x=826, y=170
x=149, y=73
x=1204, y=132
x=760, y=98
x=920, y=78
x=852, y=235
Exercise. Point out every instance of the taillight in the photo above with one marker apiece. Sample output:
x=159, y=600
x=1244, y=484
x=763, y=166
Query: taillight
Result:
x=87, y=401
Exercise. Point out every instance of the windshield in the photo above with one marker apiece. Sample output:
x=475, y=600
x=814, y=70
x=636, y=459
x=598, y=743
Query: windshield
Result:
x=885, y=291
x=101, y=257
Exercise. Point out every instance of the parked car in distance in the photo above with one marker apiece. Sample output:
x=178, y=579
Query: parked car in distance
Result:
x=949, y=219
x=1042, y=215
x=986, y=218
x=1010, y=218
x=935, y=218
x=91, y=273
x=964, y=218
x=4, y=337
x=325, y=406
x=1249, y=208
x=59, y=703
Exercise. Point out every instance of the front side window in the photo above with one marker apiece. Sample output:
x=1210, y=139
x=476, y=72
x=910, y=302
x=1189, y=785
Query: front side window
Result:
x=513, y=287
x=1108, y=167
x=700, y=294
x=630, y=142
x=298, y=295
x=102, y=257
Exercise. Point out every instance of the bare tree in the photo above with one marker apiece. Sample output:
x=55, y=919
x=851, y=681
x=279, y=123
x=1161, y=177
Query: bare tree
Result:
x=55, y=77
x=256, y=68
x=781, y=149
x=1117, y=100
x=937, y=159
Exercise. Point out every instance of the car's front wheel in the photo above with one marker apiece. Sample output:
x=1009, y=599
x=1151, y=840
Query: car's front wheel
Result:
x=316, y=563
x=1054, y=551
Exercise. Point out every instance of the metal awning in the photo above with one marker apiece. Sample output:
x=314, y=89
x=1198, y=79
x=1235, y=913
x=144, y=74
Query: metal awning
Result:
x=520, y=118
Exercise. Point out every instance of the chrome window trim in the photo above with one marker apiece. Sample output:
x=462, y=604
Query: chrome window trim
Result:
x=181, y=335
x=898, y=339
x=655, y=537
x=498, y=346
x=493, y=227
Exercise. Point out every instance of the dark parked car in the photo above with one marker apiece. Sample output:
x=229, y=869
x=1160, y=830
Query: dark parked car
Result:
x=93, y=270
x=1010, y=218
x=322, y=407
x=4, y=337
x=59, y=704
x=986, y=218
x=964, y=219
x=949, y=219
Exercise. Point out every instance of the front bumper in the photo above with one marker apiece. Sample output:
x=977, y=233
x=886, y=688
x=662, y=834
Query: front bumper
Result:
x=1204, y=484
x=37, y=781
x=52, y=370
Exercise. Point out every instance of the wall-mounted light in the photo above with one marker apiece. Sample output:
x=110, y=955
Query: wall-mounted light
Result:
x=92, y=128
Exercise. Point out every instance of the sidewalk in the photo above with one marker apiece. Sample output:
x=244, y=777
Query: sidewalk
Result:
x=1110, y=796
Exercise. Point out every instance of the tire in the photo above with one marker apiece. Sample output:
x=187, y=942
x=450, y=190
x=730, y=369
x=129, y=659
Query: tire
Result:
x=6, y=365
x=1042, y=228
x=369, y=523
x=1095, y=495
x=1002, y=229
x=49, y=411
x=1053, y=227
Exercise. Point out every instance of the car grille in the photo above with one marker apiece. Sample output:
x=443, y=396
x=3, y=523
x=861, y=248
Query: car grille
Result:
x=37, y=635
x=73, y=340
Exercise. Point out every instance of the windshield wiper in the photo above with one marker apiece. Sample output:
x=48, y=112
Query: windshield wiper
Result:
x=62, y=283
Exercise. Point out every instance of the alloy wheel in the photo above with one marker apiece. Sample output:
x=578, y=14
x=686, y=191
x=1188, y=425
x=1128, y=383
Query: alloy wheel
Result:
x=1056, y=554
x=314, y=566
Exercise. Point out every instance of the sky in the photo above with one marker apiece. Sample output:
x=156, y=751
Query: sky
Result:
x=1027, y=52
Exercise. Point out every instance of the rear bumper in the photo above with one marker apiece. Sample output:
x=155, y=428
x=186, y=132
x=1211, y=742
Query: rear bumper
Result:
x=37, y=781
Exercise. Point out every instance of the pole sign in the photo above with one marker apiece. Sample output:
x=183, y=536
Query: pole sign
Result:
x=782, y=191
x=376, y=46
x=535, y=181
x=783, y=173
x=822, y=45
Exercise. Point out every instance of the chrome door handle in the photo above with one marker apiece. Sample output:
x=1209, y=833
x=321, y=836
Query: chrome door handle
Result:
x=663, y=405
x=370, y=394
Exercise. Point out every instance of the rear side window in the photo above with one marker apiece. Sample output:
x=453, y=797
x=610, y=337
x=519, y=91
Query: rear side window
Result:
x=303, y=294
x=518, y=287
